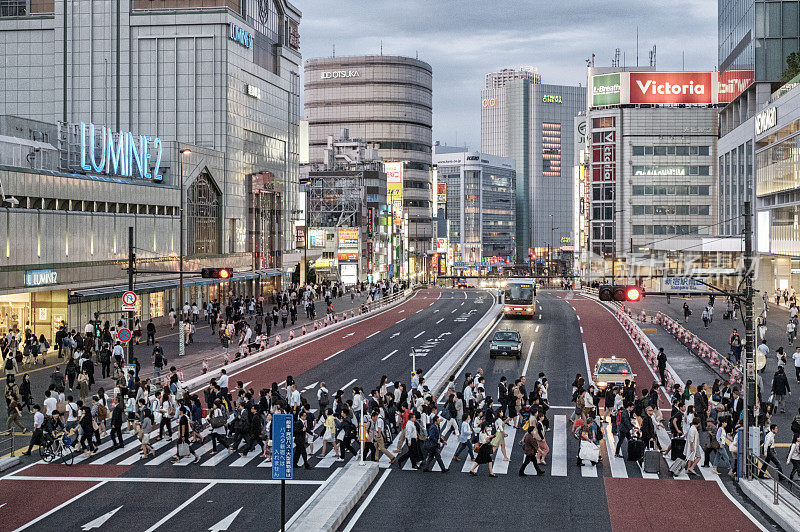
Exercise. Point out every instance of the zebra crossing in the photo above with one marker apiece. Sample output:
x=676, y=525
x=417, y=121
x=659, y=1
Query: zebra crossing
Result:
x=561, y=461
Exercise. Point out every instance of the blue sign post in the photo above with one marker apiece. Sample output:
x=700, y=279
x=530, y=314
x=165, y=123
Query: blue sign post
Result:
x=283, y=455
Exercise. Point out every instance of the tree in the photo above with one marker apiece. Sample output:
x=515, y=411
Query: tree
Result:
x=792, y=67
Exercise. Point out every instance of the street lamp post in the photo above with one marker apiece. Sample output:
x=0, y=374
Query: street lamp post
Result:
x=181, y=340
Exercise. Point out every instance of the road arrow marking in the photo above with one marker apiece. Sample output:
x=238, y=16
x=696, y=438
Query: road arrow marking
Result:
x=310, y=386
x=402, y=311
x=225, y=524
x=100, y=521
x=395, y=334
x=435, y=311
x=346, y=335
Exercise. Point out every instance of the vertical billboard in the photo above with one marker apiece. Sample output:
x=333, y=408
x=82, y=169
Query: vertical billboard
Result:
x=606, y=89
x=394, y=189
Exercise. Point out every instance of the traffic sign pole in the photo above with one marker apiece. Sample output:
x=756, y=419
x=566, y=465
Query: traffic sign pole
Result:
x=131, y=270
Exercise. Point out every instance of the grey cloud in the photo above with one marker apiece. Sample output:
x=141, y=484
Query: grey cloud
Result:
x=463, y=40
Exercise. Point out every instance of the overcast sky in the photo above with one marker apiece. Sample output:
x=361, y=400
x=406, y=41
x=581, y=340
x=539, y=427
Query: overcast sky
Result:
x=463, y=40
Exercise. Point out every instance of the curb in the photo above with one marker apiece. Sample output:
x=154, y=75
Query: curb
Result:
x=9, y=462
x=766, y=505
x=329, y=507
x=201, y=381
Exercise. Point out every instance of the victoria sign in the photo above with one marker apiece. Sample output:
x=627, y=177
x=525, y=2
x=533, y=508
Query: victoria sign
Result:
x=671, y=87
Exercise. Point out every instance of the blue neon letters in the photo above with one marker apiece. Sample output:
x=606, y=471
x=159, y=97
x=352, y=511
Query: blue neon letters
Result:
x=120, y=153
x=243, y=37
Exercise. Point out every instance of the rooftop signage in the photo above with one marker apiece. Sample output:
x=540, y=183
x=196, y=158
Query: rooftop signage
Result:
x=666, y=88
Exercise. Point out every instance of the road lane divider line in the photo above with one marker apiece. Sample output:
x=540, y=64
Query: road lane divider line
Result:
x=398, y=321
x=588, y=369
x=558, y=463
x=390, y=354
x=418, y=335
x=579, y=318
x=420, y=310
x=528, y=360
x=349, y=384
x=581, y=329
x=177, y=510
x=333, y=355
x=440, y=321
x=373, y=334
x=368, y=500
x=60, y=506
x=739, y=505
x=537, y=329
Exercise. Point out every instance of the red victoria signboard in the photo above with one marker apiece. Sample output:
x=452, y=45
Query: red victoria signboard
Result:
x=671, y=87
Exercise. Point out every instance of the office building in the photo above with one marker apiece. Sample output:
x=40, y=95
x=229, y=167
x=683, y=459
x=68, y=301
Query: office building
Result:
x=386, y=101
x=349, y=224
x=478, y=192
x=532, y=123
x=650, y=183
x=98, y=103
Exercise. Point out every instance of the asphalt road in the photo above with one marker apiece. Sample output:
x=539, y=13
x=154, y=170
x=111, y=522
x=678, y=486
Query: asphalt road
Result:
x=155, y=494
x=614, y=495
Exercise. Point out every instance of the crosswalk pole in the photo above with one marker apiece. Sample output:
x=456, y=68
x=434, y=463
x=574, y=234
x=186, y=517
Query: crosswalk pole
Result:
x=361, y=434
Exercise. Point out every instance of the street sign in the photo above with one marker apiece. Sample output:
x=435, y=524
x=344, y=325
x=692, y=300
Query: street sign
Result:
x=128, y=302
x=124, y=335
x=282, y=446
x=129, y=367
x=681, y=284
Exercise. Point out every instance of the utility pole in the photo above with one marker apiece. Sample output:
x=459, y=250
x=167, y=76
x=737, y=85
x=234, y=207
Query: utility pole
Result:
x=748, y=368
x=131, y=272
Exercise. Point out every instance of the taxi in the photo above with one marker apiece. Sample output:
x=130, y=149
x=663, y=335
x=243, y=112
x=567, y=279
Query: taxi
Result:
x=506, y=342
x=612, y=371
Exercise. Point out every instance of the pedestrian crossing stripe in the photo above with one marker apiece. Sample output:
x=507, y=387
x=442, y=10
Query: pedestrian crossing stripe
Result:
x=557, y=462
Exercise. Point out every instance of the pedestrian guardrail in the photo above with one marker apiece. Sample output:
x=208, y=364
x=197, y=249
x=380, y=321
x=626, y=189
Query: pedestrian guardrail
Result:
x=784, y=491
x=7, y=443
x=225, y=357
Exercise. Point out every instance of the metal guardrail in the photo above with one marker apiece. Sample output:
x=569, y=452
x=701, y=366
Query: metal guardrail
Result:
x=219, y=360
x=7, y=443
x=776, y=480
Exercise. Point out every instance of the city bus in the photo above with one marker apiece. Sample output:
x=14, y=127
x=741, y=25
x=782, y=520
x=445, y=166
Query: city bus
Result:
x=519, y=297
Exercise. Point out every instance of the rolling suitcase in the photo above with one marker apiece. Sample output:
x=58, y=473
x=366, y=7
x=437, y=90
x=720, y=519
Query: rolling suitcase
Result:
x=676, y=451
x=677, y=467
x=635, y=450
x=652, y=461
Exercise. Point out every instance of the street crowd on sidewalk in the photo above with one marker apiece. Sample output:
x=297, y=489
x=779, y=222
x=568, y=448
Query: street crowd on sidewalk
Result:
x=71, y=404
x=722, y=403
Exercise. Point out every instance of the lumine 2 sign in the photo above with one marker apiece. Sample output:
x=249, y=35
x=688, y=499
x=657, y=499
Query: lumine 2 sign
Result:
x=120, y=153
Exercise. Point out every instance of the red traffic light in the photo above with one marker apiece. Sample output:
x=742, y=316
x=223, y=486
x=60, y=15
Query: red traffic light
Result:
x=633, y=294
x=216, y=273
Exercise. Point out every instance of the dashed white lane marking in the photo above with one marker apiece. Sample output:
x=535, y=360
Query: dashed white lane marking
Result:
x=398, y=321
x=373, y=334
x=581, y=330
x=333, y=355
x=528, y=360
x=537, y=329
x=440, y=321
x=390, y=354
x=579, y=318
x=420, y=334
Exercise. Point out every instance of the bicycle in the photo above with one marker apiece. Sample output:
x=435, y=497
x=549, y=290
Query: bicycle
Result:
x=58, y=448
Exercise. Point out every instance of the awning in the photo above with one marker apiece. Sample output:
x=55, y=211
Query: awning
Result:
x=147, y=287
x=269, y=272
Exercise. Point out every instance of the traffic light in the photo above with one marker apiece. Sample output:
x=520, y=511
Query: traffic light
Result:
x=98, y=329
x=216, y=273
x=620, y=292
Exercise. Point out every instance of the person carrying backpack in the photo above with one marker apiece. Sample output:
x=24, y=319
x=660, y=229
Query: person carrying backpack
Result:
x=158, y=360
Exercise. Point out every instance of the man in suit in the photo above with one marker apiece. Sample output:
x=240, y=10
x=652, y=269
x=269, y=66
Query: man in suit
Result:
x=624, y=429
x=433, y=445
x=117, y=415
x=701, y=406
x=736, y=405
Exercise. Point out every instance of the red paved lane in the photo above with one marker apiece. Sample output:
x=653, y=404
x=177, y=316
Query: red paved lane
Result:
x=296, y=360
x=22, y=501
x=670, y=505
x=605, y=337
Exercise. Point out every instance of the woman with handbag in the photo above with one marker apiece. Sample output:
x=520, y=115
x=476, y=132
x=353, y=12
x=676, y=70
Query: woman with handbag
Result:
x=88, y=428
x=184, y=449
x=217, y=418
x=499, y=440
x=541, y=449
x=143, y=429
x=485, y=449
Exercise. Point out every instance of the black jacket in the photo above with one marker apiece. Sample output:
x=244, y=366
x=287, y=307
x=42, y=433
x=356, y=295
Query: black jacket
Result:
x=117, y=415
x=780, y=384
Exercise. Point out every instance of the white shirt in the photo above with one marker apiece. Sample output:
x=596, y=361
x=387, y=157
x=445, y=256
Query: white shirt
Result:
x=50, y=405
x=769, y=441
x=248, y=334
x=411, y=431
x=796, y=357
x=38, y=419
x=89, y=329
x=295, y=400
x=118, y=351
x=223, y=381
x=72, y=412
x=186, y=309
x=468, y=395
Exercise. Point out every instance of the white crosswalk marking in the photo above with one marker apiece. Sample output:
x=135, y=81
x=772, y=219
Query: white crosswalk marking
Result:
x=113, y=455
x=383, y=461
x=200, y=451
x=618, y=469
x=447, y=453
x=708, y=473
x=217, y=458
x=558, y=466
x=683, y=476
x=156, y=446
x=501, y=464
x=327, y=460
x=588, y=470
x=265, y=463
x=163, y=457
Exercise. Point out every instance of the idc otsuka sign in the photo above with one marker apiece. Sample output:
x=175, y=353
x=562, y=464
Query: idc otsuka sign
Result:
x=658, y=88
x=336, y=74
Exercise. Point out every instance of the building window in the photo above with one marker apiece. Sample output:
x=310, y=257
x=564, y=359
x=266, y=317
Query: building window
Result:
x=13, y=8
x=605, y=121
x=202, y=217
